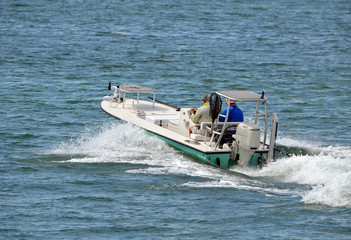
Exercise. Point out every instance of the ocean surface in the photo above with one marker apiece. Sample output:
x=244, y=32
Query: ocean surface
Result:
x=70, y=171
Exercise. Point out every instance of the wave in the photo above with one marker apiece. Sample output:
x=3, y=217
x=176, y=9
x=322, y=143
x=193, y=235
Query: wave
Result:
x=326, y=170
x=113, y=142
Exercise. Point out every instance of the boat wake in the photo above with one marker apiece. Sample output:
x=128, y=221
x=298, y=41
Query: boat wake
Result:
x=316, y=174
x=326, y=169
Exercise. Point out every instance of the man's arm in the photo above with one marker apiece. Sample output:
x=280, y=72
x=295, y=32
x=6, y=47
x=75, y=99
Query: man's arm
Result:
x=195, y=117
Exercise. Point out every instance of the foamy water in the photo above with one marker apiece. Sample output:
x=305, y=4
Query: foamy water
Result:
x=326, y=175
x=328, y=172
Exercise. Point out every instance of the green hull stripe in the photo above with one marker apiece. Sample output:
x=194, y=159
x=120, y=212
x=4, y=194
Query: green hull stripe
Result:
x=213, y=158
x=221, y=160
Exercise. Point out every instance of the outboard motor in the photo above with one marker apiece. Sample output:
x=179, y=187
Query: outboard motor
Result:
x=247, y=139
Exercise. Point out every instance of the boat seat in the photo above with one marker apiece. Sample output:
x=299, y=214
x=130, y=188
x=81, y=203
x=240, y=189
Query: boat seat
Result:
x=161, y=119
x=174, y=122
x=199, y=137
x=207, y=125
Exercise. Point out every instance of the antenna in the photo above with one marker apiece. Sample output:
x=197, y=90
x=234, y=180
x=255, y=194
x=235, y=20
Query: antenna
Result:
x=212, y=72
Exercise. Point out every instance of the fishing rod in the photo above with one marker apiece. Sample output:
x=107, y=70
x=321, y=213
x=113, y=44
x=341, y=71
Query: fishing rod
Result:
x=178, y=109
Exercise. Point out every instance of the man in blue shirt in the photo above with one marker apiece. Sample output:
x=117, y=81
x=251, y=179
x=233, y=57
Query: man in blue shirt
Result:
x=235, y=113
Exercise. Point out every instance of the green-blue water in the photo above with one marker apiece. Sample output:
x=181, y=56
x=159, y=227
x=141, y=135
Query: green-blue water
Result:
x=69, y=171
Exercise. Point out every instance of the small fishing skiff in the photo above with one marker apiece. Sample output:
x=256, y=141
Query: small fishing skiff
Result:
x=221, y=144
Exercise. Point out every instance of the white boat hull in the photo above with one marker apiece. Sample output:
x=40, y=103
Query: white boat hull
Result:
x=168, y=124
x=223, y=144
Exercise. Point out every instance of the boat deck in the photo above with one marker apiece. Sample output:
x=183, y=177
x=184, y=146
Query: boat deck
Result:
x=159, y=119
